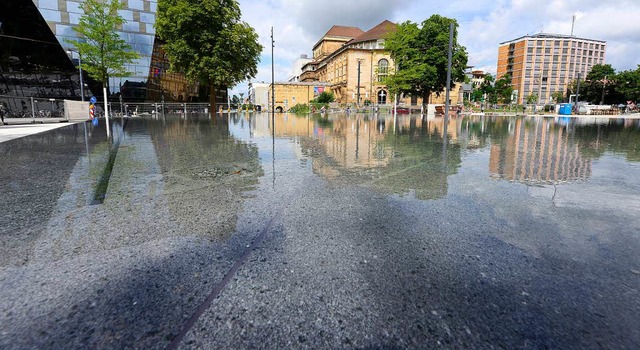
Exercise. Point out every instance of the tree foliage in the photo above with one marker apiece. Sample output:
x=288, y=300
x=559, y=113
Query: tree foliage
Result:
x=531, y=99
x=420, y=54
x=557, y=96
x=503, y=89
x=104, y=53
x=628, y=84
x=325, y=97
x=603, y=80
x=207, y=41
x=597, y=80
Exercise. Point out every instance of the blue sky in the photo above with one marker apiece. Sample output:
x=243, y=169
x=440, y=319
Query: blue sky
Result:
x=298, y=24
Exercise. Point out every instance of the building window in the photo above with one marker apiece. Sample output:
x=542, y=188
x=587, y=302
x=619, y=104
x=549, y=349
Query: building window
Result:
x=382, y=97
x=383, y=70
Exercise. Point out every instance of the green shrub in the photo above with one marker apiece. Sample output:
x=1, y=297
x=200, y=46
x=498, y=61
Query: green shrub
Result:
x=325, y=97
x=300, y=108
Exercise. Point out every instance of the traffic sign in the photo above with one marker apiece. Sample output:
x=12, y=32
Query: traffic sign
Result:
x=93, y=99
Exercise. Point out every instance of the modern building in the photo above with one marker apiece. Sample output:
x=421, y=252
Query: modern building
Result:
x=36, y=59
x=355, y=64
x=259, y=95
x=296, y=67
x=164, y=85
x=544, y=64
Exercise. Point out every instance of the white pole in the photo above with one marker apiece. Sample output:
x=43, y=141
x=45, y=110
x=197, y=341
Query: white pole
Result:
x=448, y=93
x=106, y=109
x=33, y=111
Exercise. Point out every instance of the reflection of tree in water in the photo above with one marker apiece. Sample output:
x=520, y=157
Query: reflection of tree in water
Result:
x=412, y=161
x=418, y=164
x=205, y=171
x=618, y=136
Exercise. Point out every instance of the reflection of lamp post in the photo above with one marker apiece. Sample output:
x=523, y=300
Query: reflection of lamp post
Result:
x=358, y=87
x=70, y=53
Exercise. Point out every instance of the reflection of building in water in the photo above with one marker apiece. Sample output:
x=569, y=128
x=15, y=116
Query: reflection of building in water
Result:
x=396, y=159
x=540, y=153
x=310, y=125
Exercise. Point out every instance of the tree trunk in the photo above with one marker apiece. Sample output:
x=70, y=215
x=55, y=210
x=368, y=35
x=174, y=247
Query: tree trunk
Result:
x=425, y=102
x=212, y=97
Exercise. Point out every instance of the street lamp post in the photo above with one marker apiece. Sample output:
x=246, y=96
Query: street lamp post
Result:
x=70, y=53
x=604, y=86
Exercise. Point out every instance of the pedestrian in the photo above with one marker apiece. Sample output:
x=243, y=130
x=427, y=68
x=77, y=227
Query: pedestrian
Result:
x=2, y=113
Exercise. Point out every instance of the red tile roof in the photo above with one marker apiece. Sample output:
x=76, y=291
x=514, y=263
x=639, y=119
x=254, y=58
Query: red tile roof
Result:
x=377, y=32
x=344, y=31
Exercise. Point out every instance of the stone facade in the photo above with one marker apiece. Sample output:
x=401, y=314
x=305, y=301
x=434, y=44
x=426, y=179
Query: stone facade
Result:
x=289, y=94
x=336, y=62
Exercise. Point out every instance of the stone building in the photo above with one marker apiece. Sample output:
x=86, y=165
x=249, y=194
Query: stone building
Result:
x=289, y=94
x=354, y=64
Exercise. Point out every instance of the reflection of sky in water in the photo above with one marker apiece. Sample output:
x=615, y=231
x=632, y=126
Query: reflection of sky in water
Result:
x=587, y=163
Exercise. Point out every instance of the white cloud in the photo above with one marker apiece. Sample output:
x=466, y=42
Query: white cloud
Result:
x=299, y=24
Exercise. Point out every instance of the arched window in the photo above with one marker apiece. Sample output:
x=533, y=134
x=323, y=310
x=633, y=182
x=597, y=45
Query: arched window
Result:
x=382, y=97
x=383, y=70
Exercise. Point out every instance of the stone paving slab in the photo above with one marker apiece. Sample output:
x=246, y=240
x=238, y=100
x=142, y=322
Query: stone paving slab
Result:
x=14, y=130
x=214, y=238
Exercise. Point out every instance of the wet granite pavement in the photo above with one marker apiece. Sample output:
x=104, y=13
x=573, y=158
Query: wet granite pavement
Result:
x=340, y=232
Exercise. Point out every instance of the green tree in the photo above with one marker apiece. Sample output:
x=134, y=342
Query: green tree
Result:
x=557, y=96
x=104, y=53
x=420, y=54
x=597, y=82
x=207, y=41
x=628, y=85
x=532, y=99
x=325, y=97
x=476, y=95
x=503, y=89
x=487, y=86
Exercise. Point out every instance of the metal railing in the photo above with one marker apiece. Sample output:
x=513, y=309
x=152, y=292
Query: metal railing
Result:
x=31, y=107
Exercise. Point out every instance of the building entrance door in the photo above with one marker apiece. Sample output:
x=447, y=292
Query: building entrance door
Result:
x=382, y=97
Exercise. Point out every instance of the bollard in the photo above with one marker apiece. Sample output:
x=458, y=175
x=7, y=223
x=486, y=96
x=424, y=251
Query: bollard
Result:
x=33, y=111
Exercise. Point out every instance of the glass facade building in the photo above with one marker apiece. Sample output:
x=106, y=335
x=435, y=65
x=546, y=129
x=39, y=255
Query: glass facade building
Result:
x=37, y=61
x=139, y=31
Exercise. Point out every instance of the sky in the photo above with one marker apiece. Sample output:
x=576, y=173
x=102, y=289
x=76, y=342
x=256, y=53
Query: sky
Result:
x=484, y=24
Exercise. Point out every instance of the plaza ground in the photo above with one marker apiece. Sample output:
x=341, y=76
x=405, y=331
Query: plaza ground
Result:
x=343, y=231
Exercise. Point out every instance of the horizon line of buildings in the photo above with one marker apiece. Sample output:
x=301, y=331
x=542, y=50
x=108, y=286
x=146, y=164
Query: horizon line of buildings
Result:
x=540, y=64
x=347, y=61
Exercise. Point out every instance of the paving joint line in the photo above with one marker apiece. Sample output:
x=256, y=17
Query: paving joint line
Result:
x=217, y=290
